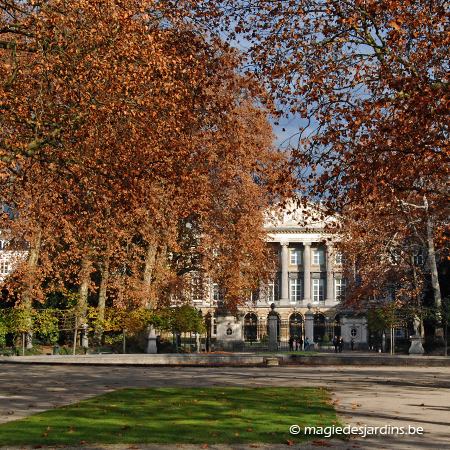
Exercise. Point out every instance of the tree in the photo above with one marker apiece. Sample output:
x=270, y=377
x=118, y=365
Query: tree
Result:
x=121, y=126
x=368, y=82
x=391, y=255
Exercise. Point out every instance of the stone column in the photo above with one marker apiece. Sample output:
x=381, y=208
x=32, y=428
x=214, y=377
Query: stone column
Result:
x=273, y=325
x=284, y=294
x=330, y=278
x=307, y=272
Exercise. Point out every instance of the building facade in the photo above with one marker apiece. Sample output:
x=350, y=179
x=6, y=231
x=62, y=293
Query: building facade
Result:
x=306, y=290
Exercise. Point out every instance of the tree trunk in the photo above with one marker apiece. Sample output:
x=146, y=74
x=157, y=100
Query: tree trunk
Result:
x=150, y=260
x=418, y=327
x=433, y=269
x=27, y=298
x=83, y=290
x=104, y=274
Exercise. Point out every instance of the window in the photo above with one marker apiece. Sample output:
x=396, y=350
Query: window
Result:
x=196, y=288
x=4, y=267
x=296, y=257
x=318, y=290
x=418, y=258
x=339, y=289
x=272, y=292
x=216, y=292
x=318, y=257
x=339, y=258
x=295, y=289
x=252, y=296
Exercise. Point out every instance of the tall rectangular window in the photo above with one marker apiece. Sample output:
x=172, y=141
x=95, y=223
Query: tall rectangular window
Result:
x=339, y=289
x=296, y=257
x=4, y=267
x=272, y=292
x=339, y=258
x=318, y=257
x=215, y=292
x=295, y=288
x=418, y=258
x=318, y=290
x=196, y=288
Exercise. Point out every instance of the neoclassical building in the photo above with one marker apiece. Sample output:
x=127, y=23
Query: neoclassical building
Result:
x=306, y=289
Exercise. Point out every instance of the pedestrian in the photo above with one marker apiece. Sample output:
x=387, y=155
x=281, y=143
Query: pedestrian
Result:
x=291, y=344
x=307, y=343
x=296, y=345
x=336, y=344
x=352, y=343
x=341, y=344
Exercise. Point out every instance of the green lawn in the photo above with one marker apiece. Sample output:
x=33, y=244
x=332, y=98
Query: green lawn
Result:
x=178, y=415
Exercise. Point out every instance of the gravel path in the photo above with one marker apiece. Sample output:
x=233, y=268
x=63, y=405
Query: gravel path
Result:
x=365, y=396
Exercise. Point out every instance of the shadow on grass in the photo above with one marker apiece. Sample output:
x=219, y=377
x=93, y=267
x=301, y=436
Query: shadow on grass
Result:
x=178, y=415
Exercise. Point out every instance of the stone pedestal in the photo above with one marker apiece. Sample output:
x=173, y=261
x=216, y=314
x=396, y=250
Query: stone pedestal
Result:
x=29, y=339
x=151, y=342
x=273, y=330
x=416, y=345
x=84, y=336
x=229, y=332
x=309, y=327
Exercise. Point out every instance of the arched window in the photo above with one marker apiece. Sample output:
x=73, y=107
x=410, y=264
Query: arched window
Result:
x=319, y=327
x=296, y=326
x=250, y=327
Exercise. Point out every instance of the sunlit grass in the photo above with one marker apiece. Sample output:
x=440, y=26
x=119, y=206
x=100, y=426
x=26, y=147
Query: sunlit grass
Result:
x=178, y=415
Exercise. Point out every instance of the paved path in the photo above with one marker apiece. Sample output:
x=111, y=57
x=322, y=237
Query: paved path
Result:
x=365, y=395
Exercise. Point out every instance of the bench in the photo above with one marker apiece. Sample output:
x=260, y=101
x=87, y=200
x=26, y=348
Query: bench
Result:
x=99, y=351
x=7, y=351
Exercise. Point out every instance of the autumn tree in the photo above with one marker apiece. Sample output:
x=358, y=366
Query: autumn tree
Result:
x=368, y=82
x=391, y=257
x=134, y=150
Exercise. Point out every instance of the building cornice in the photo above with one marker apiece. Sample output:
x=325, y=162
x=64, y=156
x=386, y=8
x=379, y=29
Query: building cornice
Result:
x=298, y=231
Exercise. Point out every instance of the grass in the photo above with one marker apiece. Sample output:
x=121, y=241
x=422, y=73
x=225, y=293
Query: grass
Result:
x=178, y=415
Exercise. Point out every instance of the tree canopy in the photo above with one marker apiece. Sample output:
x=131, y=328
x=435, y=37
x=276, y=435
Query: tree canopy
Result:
x=367, y=82
x=133, y=153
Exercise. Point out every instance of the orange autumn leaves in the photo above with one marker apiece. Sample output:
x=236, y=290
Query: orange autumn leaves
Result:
x=132, y=150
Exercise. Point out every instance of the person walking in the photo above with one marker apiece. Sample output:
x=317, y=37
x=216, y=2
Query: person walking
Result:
x=291, y=344
x=352, y=344
x=307, y=343
x=336, y=344
x=341, y=344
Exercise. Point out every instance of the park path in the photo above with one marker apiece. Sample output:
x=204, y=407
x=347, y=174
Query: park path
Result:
x=365, y=396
